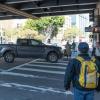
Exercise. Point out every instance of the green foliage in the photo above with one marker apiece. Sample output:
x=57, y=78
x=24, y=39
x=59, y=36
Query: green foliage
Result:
x=44, y=22
x=23, y=33
x=54, y=32
x=28, y=33
x=34, y=28
x=71, y=33
x=10, y=32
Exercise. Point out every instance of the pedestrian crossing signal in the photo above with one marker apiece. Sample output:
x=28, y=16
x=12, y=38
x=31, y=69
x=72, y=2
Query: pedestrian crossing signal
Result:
x=96, y=30
x=91, y=16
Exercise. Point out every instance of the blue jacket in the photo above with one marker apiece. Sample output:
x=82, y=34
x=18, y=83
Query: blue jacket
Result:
x=72, y=73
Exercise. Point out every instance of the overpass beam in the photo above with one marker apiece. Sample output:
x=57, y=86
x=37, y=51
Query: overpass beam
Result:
x=15, y=11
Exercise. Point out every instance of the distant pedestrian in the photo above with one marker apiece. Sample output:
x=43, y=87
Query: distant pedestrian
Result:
x=96, y=51
x=49, y=41
x=73, y=46
x=93, y=51
x=68, y=50
x=83, y=71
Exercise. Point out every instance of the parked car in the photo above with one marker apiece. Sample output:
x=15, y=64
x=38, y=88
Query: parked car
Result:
x=30, y=48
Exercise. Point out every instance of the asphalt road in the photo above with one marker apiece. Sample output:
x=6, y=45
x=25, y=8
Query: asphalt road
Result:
x=34, y=79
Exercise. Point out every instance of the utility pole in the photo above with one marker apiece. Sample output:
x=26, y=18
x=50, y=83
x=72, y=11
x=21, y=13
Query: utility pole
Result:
x=1, y=35
x=1, y=39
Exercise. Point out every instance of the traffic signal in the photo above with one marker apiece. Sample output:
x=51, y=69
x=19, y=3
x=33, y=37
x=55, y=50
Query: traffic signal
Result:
x=90, y=36
x=91, y=16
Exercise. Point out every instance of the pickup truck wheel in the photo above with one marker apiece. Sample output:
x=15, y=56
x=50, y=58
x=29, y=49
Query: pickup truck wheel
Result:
x=52, y=57
x=9, y=57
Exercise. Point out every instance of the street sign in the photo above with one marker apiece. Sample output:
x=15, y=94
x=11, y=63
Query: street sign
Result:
x=88, y=29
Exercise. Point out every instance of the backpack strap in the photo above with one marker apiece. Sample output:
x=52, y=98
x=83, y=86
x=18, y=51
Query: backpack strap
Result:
x=93, y=59
x=80, y=59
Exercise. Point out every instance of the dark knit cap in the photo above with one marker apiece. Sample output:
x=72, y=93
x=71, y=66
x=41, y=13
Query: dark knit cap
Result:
x=83, y=47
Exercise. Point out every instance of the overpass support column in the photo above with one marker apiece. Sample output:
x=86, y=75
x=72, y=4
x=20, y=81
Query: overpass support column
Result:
x=97, y=15
x=96, y=32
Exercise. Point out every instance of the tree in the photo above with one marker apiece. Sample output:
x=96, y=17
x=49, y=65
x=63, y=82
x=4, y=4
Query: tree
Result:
x=71, y=33
x=44, y=23
x=28, y=33
x=10, y=34
x=13, y=34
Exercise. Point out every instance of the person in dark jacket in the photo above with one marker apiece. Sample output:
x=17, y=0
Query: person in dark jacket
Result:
x=72, y=75
x=73, y=46
x=68, y=50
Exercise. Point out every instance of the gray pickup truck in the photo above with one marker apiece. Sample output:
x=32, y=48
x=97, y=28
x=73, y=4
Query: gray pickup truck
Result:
x=30, y=48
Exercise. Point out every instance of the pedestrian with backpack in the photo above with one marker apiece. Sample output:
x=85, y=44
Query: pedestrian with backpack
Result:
x=83, y=72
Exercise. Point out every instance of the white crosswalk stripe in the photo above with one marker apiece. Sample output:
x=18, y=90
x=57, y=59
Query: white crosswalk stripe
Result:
x=60, y=63
x=28, y=76
x=41, y=70
x=38, y=66
x=34, y=88
x=21, y=65
x=46, y=66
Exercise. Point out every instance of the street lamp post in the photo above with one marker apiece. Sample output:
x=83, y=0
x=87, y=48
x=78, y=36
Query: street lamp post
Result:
x=1, y=39
x=1, y=35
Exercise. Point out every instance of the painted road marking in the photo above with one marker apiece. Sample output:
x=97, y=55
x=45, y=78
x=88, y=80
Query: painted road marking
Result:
x=21, y=65
x=28, y=76
x=40, y=88
x=52, y=63
x=41, y=70
x=34, y=62
x=46, y=66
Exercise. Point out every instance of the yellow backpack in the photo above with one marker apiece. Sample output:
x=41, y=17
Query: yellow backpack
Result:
x=89, y=76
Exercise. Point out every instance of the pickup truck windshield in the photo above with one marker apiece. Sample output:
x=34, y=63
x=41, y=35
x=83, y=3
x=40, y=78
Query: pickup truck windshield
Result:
x=33, y=42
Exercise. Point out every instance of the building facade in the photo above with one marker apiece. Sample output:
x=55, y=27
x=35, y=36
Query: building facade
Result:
x=66, y=25
x=81, y=21
x=8, y=25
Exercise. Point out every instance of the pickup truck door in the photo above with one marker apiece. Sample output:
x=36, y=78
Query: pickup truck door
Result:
x=36, y=48
x=30, y=48
x=23, y=48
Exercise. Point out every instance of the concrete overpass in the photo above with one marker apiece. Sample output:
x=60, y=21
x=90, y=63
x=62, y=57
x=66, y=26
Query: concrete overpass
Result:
x=19, y=9
x=13, y=9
